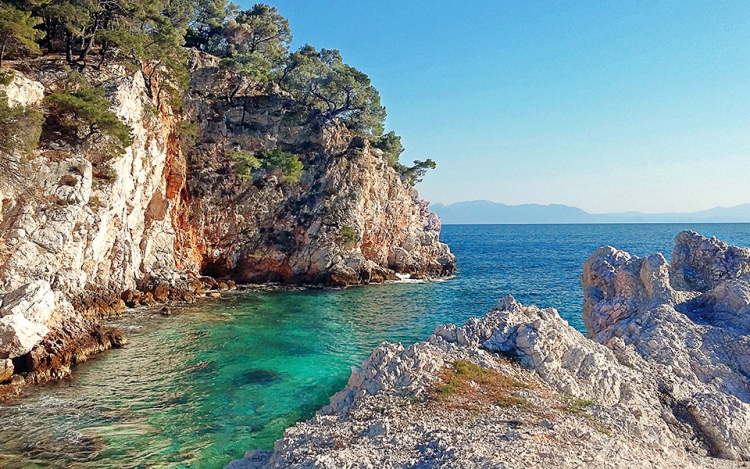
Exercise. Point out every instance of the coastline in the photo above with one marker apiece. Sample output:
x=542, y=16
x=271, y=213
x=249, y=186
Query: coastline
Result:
x=629, y=395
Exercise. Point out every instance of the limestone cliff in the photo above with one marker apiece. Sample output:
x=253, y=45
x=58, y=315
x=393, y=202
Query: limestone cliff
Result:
x=79, y=227
x=267, y=230
x=662, y=380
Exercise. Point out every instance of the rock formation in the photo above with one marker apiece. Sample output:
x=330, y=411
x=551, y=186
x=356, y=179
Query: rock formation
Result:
x=661, y=381
x=83, y=234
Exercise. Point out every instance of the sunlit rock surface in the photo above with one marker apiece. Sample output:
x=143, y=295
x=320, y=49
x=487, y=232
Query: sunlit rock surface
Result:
x=103, y=232
x=661, y=381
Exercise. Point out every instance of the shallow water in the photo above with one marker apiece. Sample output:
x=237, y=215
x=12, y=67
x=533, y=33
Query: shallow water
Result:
x=199, y=388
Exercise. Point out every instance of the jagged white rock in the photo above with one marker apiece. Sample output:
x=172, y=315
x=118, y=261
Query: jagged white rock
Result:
x=23, y=92
x=666, y=366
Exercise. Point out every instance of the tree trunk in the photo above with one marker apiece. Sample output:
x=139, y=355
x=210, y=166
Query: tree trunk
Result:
x=86, y=50
x=48, y=37
x=2, y=54
x=87, y=46
x=69, y=47
x=103, y=53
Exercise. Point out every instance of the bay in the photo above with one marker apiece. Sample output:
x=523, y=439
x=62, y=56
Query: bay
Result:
x=199, y=388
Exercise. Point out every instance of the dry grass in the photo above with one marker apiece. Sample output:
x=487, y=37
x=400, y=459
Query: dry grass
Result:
x=466, y=384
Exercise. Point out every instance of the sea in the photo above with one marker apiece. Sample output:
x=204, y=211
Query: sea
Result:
x=199, y=388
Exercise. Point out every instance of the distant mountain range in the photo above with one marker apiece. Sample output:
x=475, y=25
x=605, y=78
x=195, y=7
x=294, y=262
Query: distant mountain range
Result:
x=478, y=212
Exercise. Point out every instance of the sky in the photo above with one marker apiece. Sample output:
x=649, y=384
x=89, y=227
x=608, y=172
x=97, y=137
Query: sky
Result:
x=608, y=106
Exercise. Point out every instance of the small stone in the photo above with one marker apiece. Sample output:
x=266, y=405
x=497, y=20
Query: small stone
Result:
x=165, y=311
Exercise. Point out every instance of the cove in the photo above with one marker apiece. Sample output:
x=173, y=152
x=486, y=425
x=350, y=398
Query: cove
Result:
x=200, y=387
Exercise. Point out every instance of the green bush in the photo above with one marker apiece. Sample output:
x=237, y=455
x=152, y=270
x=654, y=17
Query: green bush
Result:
x=20, y=128
x=414, y=174
x=390, y=144
x=86, y=112
x=188, y=133
x=6, y=77
x=244, y=163
x=291, y=167
x=350, y=237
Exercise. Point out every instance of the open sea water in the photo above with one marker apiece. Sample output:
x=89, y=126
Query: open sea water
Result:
x=199, y=388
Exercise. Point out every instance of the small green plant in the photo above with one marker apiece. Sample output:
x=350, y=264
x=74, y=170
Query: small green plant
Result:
x=95, y=203
x=417, y=399
x=188, y=133
x=244, y=163
x=6, y=77
x=291, y=167
x=449, y=388
x=350, y=237
x=20, y=128
x=509, y=401
x=462, y=367
x=577, y=406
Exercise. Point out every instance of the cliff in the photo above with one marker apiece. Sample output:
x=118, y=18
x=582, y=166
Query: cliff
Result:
x=85, y=234
x=662, y=380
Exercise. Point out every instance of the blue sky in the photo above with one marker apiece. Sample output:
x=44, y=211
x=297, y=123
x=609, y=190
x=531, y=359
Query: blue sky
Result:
x=607, y=106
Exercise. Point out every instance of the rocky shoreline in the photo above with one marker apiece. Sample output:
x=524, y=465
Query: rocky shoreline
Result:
x=85, y=234
x=31, y=356
x=663, y=379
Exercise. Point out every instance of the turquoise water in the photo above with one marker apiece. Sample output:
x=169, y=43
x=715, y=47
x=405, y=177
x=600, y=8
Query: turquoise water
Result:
x=199, y=388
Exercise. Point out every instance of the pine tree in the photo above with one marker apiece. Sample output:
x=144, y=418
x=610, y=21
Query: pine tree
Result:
x=324, y=82
x=17, y=31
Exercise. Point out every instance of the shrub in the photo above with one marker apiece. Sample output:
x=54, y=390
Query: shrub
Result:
x=20, y=128
x=244, y=163
x=414, y=174
x=577, y=406
x=6, y=77
x=475, y=384
x=86, y=111
x=187, y=132
x=390, y=144
x=350, y=237
x=291, y=167
x=95, y=203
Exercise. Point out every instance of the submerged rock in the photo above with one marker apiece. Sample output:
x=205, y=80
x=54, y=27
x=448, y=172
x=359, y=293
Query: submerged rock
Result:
x=661, y=381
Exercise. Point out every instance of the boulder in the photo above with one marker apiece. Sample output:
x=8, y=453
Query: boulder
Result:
x=34, y=301
x=18, y=335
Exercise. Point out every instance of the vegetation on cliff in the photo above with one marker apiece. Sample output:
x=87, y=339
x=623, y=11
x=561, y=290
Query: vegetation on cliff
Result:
x=151, y=37
x=20, y=127
x=84, y=116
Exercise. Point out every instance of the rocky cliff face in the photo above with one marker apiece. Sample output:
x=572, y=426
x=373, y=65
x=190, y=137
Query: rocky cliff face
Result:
x=662, y=380
x=350, y=219
x=78, y=227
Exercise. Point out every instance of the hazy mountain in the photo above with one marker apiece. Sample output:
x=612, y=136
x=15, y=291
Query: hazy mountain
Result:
x=486, y=212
